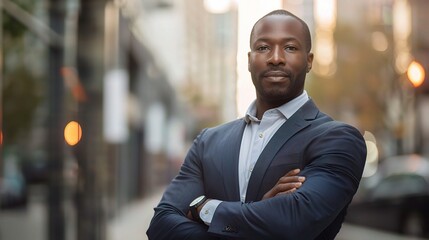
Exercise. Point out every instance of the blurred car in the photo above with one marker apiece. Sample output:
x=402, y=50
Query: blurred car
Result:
x=396, y=198
x=13, y=188
x=35, y=168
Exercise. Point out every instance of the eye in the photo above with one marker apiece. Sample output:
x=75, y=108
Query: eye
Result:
x=291, y=48
x=262, y=48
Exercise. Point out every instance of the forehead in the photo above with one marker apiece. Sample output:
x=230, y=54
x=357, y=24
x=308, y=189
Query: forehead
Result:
x=278, y=27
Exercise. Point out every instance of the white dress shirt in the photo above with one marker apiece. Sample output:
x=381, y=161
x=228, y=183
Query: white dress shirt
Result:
x=257, y=134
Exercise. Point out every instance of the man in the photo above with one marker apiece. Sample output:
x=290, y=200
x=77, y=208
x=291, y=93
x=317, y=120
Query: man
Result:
x=240, y=180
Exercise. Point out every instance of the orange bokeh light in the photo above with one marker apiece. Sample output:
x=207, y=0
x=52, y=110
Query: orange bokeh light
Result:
x=72, y=133
x=416, y=73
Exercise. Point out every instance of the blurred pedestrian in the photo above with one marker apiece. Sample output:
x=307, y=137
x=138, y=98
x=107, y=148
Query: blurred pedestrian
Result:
x=284, y=171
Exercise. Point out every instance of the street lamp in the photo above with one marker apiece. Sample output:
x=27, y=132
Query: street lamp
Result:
x=416, y=75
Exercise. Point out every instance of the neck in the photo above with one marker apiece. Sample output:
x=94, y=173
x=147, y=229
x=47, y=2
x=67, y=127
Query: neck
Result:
x=262, y=107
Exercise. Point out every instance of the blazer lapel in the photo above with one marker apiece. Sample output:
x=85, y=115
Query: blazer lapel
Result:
x=230, y=161
x=293, y=125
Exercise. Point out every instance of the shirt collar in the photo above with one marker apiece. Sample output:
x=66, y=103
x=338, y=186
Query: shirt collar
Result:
x=287, y=109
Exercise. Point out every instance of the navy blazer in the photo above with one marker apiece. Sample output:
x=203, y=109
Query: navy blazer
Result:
x=330, y=154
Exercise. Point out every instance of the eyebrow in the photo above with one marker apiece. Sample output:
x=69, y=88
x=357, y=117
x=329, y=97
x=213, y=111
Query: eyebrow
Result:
x=287, y=39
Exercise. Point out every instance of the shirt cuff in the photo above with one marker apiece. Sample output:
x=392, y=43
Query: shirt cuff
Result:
x=208, y=210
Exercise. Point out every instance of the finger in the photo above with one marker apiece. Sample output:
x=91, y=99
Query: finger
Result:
x=288, y=179
x=293, y=172
x=286, y=186
x=286, y=192
x=283, y=188
x=291, y=185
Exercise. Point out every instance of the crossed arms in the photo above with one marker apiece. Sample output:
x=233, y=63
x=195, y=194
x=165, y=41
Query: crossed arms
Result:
x=287, y=211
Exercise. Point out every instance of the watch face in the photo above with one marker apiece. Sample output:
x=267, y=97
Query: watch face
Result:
x=196, y=200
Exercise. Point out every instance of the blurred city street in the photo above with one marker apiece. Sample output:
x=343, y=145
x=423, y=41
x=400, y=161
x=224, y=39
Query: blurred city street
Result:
x=25, y=223
x=30, y=221
x=132, y=222
x=100, y=101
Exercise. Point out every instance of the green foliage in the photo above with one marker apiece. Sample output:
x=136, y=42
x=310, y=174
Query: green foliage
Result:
x=20, y=100
x=11, y=27
x=21, y=88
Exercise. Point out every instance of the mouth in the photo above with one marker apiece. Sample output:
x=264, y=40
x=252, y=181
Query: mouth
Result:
x=275, y=76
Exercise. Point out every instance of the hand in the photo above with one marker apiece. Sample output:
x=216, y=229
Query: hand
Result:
x=286, y=184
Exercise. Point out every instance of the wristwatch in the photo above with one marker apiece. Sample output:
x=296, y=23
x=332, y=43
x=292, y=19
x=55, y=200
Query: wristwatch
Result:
x=195, y=205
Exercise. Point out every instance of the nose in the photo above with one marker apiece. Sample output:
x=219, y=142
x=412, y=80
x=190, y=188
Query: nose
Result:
x=277, y=56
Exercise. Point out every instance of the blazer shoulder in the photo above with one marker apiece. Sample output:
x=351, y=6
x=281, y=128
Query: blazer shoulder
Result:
x=228, y=126
x=335, y=124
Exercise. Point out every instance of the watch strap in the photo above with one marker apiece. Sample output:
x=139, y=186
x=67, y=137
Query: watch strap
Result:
x=194, y=209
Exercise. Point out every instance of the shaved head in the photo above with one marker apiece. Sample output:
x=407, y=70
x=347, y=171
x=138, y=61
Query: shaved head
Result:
x=305, y=29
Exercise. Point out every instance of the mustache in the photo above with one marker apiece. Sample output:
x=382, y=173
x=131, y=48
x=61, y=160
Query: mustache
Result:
x=276, y=71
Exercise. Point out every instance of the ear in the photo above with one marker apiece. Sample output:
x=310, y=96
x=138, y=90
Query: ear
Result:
x=248, y=61
x=310, y=58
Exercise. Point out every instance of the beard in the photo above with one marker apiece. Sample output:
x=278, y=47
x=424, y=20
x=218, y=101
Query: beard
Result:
x=278, y=93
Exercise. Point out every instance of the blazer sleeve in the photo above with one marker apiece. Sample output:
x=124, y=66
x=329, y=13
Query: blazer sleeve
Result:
x=336, y=158
x=170, y=221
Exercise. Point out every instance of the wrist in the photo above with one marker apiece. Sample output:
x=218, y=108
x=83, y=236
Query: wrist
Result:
x=199, y=208
x=195, y=207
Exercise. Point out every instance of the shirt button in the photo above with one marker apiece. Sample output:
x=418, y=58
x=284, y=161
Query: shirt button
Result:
x=261, y=135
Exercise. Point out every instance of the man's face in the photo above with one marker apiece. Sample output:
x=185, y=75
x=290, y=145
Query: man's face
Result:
x=278, y=60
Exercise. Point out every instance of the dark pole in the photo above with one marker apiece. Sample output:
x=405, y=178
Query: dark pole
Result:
x=418, y=131
x=91, y=218
x=1, y=89
x=56, y=224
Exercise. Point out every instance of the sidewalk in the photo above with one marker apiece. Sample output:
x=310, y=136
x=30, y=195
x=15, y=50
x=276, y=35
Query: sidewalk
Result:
x=133, y=221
